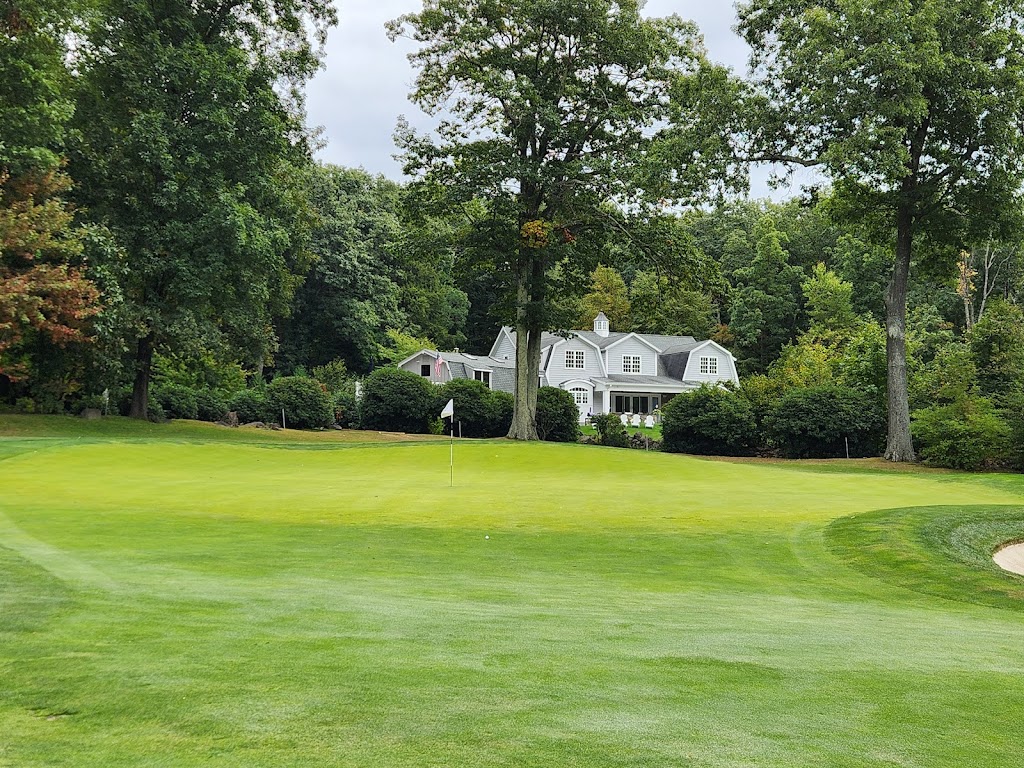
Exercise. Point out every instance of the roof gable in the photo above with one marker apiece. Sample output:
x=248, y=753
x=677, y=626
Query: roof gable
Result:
x=638, y=337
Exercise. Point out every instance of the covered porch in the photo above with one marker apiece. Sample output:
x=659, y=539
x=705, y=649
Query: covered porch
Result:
x=641, y=395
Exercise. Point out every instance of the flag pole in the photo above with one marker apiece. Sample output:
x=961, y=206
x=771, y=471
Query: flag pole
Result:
x=449, y=413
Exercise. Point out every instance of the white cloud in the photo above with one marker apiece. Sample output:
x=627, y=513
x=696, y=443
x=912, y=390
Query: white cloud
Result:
x=364, y=87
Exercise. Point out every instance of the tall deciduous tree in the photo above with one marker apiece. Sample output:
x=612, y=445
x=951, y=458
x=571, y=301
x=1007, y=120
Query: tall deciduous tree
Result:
x=44, y=293
x=660, y=305
x=189, y=117
x=913, y=108
x=556, y=107
x=608, y=293
x=350, y=295
x=766, y=301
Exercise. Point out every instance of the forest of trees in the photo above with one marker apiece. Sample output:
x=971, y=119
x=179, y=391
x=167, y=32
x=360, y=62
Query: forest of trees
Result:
x=165, y=229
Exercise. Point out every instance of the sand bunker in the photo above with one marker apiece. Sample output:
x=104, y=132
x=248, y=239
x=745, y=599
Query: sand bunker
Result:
x=1011, y=558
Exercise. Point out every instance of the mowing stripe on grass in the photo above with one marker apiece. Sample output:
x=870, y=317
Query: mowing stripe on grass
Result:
x=59, y=563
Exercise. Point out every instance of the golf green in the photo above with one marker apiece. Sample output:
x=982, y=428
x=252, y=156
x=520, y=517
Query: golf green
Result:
x=184, y=602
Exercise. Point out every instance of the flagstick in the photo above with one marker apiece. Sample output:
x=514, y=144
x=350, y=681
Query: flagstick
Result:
x=449, y=413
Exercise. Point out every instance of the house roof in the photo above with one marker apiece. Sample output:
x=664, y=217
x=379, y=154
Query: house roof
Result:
x=641, y=381
x=684, y=346
x=478, y=362
x=504, y=380
x=462, y=365
x=661, y=343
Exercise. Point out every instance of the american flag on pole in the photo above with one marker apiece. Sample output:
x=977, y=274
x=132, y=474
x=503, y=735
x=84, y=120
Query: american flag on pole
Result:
x=437, y=367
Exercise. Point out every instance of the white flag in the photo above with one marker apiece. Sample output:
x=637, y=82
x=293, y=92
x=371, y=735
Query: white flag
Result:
x=449, y=410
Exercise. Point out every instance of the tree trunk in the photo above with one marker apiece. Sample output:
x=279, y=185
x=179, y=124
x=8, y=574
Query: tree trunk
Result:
x=524, y=413
x=899, y=444
x=143, y=370
x=533, y=375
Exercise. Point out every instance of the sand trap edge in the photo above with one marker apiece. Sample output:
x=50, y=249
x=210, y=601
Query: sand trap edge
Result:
x=1011, y=558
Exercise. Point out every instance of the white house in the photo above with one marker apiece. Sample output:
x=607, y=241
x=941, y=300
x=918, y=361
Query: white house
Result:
x=606, y=372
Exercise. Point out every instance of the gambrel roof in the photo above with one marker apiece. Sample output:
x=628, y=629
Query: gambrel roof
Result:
x=663, y=344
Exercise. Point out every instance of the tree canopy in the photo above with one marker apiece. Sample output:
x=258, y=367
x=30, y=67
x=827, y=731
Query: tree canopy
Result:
x=913, y=109
x=188, y=152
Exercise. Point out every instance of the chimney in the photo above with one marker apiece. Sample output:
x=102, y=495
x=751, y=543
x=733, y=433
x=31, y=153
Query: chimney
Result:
x=601, y=325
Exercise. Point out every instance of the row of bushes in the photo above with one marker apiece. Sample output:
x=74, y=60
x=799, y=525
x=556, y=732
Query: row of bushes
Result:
x=393, y=400
x=304, y=401
x=818, y=422
x=399, y=401
x=971, y=433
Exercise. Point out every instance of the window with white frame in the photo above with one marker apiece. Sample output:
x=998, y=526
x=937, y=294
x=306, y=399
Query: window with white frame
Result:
x=709, y=365
x=484, y=376
x=631, y=363
x=580, y=395
x=576, y=359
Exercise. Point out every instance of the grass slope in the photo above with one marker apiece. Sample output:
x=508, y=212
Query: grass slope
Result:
x=166, y=602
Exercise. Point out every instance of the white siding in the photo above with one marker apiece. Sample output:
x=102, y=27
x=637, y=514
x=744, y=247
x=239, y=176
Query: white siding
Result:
x=503, y=347
x=557, y=372
x=726, y=369
x=425, y=359
x=632, y=346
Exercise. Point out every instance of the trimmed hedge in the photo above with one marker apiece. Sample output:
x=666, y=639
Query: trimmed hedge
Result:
x=210, y=405
x=709, y=421
x=968, y=434
x=305, y=402
x=481, y=412
x=558, y=418
x=610, y=430
x=250, y=405
x=814, y=423
x=397, y=401
x=177, y=401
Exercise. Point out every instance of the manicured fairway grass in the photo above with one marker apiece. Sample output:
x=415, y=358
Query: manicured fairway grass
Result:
x=182, y=603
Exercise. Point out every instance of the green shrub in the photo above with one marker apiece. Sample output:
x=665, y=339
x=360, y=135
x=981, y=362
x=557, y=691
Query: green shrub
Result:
x=89, y=401
x=210, y=405
x=155, y=411
x=816, y=422
x=710, y=421
x=305, y=402
x=558, y=418
x=968, y=434
x=334, y=375
x=1014, y=415
x=397, y=401
x=346, y=407
x=178, y=401
x=610, y=430
x=479, y=411
x=250, y=405
x=502, y=406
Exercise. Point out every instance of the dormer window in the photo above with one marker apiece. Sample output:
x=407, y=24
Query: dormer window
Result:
x=709, y=366
x=631, y=363
x=575, y=359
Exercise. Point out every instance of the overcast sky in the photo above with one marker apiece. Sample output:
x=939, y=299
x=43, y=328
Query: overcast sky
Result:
x=364, y=87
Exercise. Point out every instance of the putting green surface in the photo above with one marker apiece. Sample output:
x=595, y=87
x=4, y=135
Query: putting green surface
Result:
x=186, y=603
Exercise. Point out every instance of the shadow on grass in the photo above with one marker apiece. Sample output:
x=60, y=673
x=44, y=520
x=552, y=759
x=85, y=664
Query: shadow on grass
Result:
x=941, y=551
